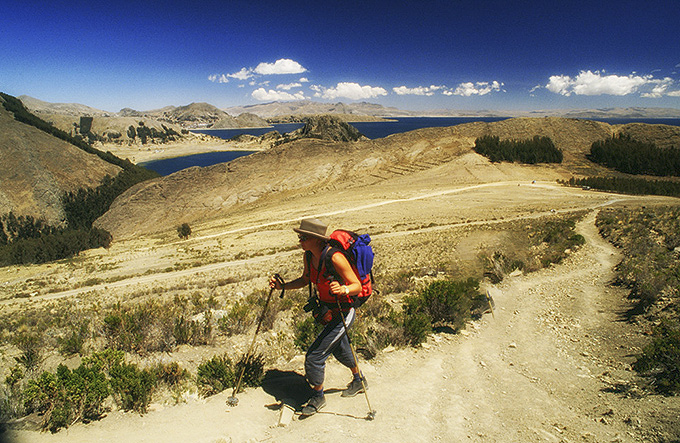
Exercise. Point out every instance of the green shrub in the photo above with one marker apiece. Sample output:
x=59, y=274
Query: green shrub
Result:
x=238, y=319
x=184, y=231
x=171, y=374
x=132, y=387
x=305, y=332
x=660, y=360
x=626, y=185
x=449, y=301
x=30, y=345
x=215, y=375
x=625, y=154
x=253, y=370
x=531, y=151
x=106, y=359
x=417, y=326
x=192, y=332
x=11, y=405
x=74, y=341
x=67, y=396
x=650, y=265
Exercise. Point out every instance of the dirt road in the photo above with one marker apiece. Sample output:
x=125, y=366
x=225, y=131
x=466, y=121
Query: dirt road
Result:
x=545, y=368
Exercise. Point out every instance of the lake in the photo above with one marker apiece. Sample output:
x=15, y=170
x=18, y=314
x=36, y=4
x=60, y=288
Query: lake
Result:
x=371, y=130
x=168, y=166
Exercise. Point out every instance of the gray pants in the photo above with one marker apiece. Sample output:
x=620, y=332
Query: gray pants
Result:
x=332, y=340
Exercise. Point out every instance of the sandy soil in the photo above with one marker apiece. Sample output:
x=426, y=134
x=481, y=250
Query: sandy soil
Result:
x=547, y=366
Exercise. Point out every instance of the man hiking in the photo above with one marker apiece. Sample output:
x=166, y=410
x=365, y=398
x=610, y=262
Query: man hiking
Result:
x=335, y=289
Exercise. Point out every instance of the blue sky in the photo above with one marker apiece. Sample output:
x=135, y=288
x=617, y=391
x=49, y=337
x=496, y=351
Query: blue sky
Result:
x=416, y=55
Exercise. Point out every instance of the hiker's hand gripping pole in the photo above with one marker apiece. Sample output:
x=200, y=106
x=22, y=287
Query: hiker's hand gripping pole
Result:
x=233, y=400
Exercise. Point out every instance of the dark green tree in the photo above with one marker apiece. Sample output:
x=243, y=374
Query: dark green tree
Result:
x=184, y=231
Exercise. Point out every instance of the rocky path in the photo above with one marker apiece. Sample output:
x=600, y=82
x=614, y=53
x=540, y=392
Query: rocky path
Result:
x=540, y=370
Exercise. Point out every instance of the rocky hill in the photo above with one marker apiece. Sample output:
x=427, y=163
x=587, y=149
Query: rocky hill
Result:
x=327, y=127
x=310, y=165
x=40, y=107
x=192, y=116
x=205, y=115
x=308, y=107
x=38, y=168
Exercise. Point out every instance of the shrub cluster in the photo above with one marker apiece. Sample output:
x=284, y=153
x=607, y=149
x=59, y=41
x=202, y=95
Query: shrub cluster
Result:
x=660, y=360
x=443, y=303
x=625, y=185
x=156, y=326
x=145, y=133
x=25, y=240
x=45, y=243
x=220, y=373
x=558, y=236
x=68, y=396
x=650, y=239
x=623, y=153
x=531, y=151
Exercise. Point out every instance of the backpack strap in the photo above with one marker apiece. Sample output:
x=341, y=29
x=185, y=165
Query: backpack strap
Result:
x=327, y=260
x=308, y=263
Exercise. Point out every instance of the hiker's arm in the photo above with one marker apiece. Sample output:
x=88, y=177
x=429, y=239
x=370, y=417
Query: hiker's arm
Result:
x=343, y=268
x=298, y=283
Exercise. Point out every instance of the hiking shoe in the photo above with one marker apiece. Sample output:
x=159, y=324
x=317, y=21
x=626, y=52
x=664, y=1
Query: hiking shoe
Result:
x=314, y=405
x=354, y=388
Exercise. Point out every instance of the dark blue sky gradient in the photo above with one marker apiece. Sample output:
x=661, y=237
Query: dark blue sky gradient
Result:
x=146, y=55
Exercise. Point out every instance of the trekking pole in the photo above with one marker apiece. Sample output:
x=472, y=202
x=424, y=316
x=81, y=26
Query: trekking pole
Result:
x=371, y=411
x=232, y=400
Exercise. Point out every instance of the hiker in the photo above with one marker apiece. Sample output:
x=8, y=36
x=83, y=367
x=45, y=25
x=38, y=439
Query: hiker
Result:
x=333, y=339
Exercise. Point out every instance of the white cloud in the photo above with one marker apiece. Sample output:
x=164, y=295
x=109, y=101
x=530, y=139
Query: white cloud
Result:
x=674, y=94
x=420, y=90
x=272, y=95
x=281, y=66
x=352, y=91
x=221, y=78
x=469, y=89
x=243, y=74
x=659, y=88
x=598, y=83
x=289, y=86
x=303, y=80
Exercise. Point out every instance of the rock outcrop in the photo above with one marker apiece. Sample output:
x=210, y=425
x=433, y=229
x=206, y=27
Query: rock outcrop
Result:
x=327, y=127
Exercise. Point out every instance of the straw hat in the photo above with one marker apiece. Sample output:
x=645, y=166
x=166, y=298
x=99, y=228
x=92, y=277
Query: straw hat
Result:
x=315, y=228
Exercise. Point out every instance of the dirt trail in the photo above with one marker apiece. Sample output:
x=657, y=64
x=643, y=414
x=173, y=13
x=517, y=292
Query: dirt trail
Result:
x=537, y=371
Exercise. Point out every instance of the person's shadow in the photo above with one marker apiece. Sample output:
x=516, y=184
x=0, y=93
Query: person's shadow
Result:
x=287, y=387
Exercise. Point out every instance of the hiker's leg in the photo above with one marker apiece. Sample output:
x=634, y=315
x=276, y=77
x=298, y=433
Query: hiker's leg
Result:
x=343, y=351
x=321, y=349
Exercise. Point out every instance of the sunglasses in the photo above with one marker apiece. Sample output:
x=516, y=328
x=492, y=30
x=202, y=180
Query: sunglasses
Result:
x=303, y=237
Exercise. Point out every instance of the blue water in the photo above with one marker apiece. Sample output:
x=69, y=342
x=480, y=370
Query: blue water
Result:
x=170, y=165
x=231, y=133
x=371, y=130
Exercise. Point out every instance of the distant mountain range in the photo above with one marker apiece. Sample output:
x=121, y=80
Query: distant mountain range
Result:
x=204, y=115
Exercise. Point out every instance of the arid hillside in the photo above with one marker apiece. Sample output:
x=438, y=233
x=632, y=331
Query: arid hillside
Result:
x=310, y=166
x=38, y=168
